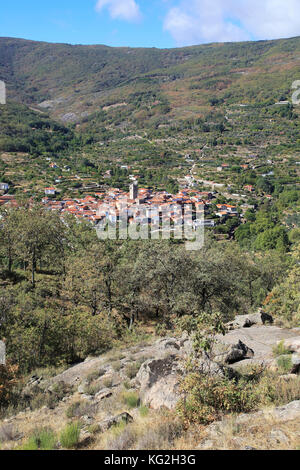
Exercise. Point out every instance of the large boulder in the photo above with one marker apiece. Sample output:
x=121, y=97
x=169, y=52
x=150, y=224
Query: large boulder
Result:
x=159, y=379
x=231, y=353
x=246, y=321
x=239, y=352
x=159, y=382
x=292, y=344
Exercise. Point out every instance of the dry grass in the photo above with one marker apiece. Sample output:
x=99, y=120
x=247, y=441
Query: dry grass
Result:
x=260, y=433
x=156, y=431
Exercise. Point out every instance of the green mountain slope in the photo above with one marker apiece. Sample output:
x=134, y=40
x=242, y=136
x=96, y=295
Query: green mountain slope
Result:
x=79, y=80
x=97, y=108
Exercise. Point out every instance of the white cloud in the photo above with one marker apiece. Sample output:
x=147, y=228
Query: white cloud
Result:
x=127, y=10
x=202, y=21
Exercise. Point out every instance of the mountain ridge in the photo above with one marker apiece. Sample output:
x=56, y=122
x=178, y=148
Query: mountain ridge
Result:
x=81, y=79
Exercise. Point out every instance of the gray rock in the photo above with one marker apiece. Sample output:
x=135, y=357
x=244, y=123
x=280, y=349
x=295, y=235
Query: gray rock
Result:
x=110, y=422
x=208, y=367
x=81, y=388
x=249, y=320
x=105, y=393
x=261, y=339
x=245, y=321
x=296, y=364
x=239, y=352
x=87, y=420
x=292, y=344
x=278, y=436
x=159, y=382
x=296, y=359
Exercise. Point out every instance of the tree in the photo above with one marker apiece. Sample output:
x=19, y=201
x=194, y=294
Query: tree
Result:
x=9, y=234
x=40, y=237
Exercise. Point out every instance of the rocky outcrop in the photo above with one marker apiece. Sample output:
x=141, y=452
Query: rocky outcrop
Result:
x=160, y=366
x=159, y=380
x=260, y=339
x=247, y=321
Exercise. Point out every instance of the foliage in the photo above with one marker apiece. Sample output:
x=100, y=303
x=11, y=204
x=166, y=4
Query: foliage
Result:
x=41, y=439
x=131, y=399
x=8, y=381
x=284, y=300
x=206, y=398
x=69, y=436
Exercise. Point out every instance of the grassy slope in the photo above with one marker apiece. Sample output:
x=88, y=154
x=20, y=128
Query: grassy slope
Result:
x=86, y=77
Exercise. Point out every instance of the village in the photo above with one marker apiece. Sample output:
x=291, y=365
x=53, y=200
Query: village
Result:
x=142, y=206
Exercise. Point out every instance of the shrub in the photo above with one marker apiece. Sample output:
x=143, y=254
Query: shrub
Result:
x=133, y=368
x=80, y=408
x=131, y=399
x=107, y=383
x=51, y=399
x=161, y=434
x=41, y=439
x=144, y=411
x=285, y=363
x=7, y=433
x=207, y=398
x=280, y=349
x=124, y=440
x=69, y=436
x=276, y=391
x=93, y=388
x=116, y=365
x=95, y=375
x=127, y=385
x=8, y=380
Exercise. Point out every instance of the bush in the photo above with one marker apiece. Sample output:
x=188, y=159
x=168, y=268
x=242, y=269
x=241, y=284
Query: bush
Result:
x=7, y=433
x=144, y=411
x=285, y=363
x=93, y=388
x=69, y=437
x=133, y=368
x=107, y=383
x=41, y=439
x=8, y=380
x=51, y=399
x=131, y=399
x=116, y=365
x=127, y=385
x=280, y=349
x=80, y=408
x=161, y=434
x=276, y=391
x=124, y=440
x=208, y=398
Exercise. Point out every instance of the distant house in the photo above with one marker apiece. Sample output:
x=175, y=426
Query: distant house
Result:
x=50, y=191
x=4, y=186
x=249, y=188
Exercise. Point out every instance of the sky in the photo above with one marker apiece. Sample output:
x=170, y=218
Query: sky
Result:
x=149, y=23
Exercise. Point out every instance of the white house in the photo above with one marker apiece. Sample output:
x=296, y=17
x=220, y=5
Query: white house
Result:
x=4, y=186
x=50, y=191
